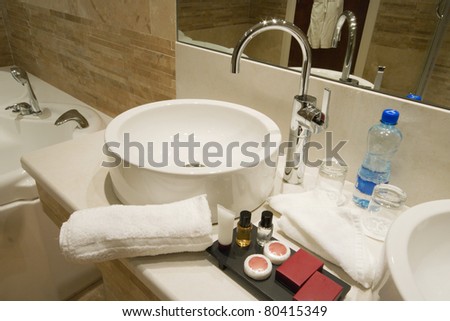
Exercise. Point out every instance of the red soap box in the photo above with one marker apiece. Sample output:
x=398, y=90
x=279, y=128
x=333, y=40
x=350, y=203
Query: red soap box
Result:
x=318, y=288
x=297, y=269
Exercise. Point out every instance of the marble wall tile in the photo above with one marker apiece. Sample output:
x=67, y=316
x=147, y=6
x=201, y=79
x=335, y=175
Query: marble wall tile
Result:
x=266, y=9
x=402, y=32
x=204, y=14
x=5, y=50
x=163, y=18
x=126, y=14
x=113, y=55
x=438, y=86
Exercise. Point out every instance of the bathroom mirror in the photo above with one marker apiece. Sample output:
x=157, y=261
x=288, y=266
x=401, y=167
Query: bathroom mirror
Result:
x=410, y=39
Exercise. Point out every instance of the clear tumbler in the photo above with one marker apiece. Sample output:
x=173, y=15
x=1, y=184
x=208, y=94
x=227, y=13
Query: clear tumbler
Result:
x=331, y=179
x=386, y=204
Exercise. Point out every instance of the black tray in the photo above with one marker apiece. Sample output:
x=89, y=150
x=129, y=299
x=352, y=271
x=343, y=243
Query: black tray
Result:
x=269, y=288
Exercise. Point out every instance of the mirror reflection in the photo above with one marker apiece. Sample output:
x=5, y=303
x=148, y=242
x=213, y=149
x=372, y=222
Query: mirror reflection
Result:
x=399, y=47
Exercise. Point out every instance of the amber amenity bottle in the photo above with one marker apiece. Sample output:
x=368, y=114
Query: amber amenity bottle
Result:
x=244, y=229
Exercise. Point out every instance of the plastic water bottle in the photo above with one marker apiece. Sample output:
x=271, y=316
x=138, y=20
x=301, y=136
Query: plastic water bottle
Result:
x=383, y=140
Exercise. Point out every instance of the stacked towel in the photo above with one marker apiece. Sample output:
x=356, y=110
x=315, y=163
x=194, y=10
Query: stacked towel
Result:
x=334, y=233
x=324, y=16
x=119, y=231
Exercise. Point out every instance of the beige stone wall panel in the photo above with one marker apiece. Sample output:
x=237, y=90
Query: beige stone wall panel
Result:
x=112, y=55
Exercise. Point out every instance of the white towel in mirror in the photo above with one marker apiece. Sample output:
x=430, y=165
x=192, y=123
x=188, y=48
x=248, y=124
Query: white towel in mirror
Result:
x=324, y=16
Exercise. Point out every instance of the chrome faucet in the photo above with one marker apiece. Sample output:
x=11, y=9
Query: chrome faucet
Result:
x=22, y=77
x=348, y=16
x=306, y=118
x=72, y=115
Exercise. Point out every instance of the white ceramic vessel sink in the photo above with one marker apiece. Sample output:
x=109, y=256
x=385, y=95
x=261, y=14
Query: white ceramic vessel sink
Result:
x=224, y=139
x=418, y=251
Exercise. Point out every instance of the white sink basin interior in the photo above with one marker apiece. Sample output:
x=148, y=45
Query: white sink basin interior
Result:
x=221, y=135
x=418, y=252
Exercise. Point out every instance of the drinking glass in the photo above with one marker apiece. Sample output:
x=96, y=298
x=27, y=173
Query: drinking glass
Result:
x=386, y=204
x=331, y=178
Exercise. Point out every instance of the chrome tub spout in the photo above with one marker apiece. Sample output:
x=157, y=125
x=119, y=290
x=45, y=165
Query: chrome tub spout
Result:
x=22, y=77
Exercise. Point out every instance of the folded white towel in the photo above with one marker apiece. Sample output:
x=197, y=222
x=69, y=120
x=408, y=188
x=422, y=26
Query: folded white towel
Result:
x=119, y=231
x=334, y=233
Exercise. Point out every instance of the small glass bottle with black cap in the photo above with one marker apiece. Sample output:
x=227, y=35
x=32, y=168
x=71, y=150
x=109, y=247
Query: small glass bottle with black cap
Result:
x=244, y=229
x=265, y=228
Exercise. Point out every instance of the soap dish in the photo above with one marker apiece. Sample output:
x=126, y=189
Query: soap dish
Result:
x=269, y=288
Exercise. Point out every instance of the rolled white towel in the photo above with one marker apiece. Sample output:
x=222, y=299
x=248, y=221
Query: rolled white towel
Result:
x=119, y=231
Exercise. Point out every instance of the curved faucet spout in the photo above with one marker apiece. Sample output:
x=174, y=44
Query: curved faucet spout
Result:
x=276, y=24
x=306, y=118
x=352, y=30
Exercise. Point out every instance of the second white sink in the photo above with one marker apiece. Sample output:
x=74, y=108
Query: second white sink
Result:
x=172, y=150
x=418, y=252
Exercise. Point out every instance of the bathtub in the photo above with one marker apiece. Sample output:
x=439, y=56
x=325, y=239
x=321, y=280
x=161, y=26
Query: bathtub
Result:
x=31, y=266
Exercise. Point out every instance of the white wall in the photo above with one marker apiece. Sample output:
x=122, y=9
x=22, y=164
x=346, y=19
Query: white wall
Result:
x=422, y=165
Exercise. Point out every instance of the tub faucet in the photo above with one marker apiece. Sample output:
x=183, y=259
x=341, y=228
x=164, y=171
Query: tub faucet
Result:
x=306, y=118
x=348, y=16
x=22, y=77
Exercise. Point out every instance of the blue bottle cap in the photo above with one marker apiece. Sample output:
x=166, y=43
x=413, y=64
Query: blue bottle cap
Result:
x=390, y=117
x=414, y=97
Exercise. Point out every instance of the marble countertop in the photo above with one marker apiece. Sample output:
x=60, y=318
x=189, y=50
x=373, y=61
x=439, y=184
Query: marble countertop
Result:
x=72, y=173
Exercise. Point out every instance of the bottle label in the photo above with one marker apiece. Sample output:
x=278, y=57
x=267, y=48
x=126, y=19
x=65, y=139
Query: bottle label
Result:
x=365, y=187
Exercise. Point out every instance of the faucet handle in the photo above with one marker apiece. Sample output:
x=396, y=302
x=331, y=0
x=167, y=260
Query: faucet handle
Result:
x=14, y=108
x=325, y=106
x=21, y=108
x=378, y=77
